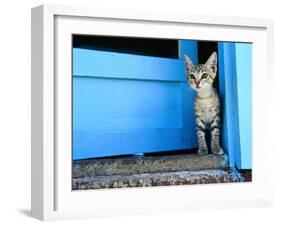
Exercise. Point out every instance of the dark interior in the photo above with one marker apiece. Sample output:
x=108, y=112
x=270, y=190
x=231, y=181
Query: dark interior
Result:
x=141, y=46
x=205, y=49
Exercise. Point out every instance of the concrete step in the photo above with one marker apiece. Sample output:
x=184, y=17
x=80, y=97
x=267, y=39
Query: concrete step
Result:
x=145, y=164
x=158, y=179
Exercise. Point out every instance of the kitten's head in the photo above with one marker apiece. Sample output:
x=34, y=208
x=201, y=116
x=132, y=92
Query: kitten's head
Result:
x=201, y=76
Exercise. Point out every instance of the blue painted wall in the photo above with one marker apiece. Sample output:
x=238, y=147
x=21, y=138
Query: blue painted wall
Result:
x=129, y=104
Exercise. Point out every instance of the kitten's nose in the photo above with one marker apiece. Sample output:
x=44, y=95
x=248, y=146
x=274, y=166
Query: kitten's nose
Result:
x=197, y=83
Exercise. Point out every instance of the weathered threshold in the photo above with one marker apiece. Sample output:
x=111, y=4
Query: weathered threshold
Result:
x=151, y=164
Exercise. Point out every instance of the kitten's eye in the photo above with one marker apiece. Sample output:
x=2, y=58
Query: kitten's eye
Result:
x=191, y=76
x=205, y=75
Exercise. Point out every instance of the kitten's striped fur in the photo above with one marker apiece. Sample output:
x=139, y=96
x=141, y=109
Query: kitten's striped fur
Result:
x=207, y=104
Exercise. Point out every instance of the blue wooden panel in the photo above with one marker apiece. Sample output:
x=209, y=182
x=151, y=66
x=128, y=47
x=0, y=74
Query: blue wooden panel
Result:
x=134, y=141
x=129, y=104
x=190, y=48
x=228, y=96
x=244, y=90
x=94, y=63
x=235, y=91
x=120, y=116
x=118, y=104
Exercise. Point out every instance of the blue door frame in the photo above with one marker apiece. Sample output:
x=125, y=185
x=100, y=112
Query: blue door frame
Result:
x=130, y=104
x=235, y=73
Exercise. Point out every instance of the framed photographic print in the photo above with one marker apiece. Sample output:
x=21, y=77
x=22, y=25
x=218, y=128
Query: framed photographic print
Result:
x=137, y=112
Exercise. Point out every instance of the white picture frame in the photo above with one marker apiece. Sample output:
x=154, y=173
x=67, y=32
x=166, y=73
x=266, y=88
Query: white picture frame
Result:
x=52, y=197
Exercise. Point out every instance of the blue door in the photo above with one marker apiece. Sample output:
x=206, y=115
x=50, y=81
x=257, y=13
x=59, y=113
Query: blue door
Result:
x=130, y=104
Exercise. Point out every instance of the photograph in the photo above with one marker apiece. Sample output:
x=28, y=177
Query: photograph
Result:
x=159, y=112
x=142, y=113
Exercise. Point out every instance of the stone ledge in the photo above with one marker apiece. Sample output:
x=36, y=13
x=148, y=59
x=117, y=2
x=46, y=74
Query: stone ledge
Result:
x=158, y=179
x=144, y=164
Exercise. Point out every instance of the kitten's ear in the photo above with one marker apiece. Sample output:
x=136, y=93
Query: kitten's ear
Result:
x=212, y=62
x=188, y=62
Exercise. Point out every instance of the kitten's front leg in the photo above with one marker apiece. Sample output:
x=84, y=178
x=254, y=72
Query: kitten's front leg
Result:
x=215, y=138
x=201, y=138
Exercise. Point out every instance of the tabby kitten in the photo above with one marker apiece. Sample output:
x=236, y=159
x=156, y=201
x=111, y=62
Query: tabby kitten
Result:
x=207, y=104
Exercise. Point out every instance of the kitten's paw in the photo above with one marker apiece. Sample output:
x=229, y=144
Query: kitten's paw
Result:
x=217, y=150
x=202, y=151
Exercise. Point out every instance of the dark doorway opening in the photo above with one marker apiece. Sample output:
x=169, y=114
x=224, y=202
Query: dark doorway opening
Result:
x=205, y=49
x=141, y=46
